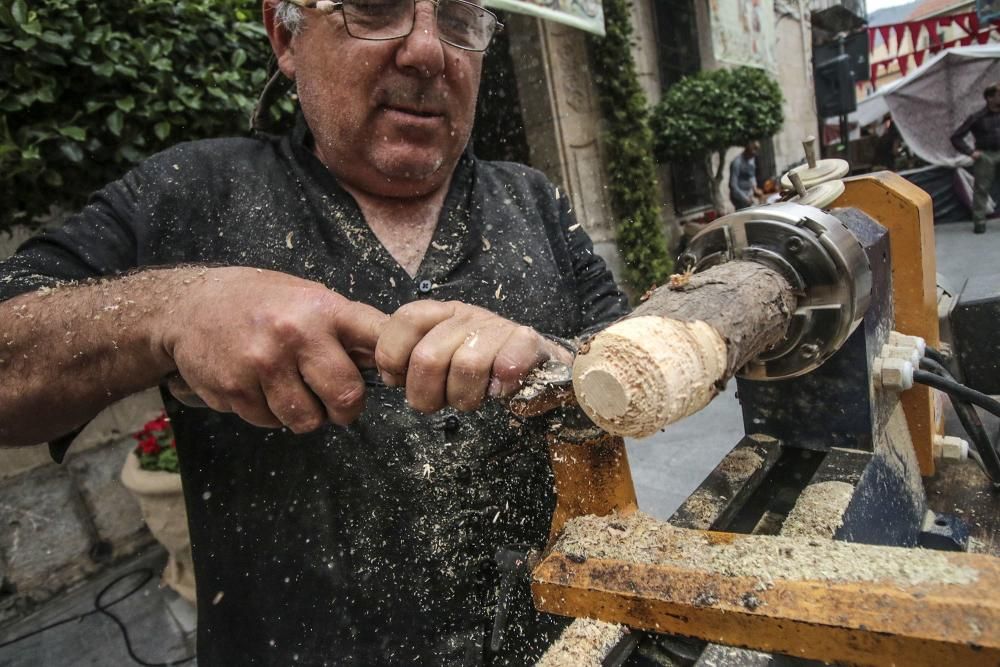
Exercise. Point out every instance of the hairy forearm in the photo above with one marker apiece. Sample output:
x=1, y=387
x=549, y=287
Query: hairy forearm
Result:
x=68, y=352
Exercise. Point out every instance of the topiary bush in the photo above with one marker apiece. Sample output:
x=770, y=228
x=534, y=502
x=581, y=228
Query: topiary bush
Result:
x=704, y=114
x=631, y=170
x=91, y=87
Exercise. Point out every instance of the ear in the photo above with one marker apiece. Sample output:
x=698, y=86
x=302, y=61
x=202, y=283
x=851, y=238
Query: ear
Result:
x=281, y=40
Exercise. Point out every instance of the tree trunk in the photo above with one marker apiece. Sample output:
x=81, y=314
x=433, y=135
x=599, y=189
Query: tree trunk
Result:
x=715, y=174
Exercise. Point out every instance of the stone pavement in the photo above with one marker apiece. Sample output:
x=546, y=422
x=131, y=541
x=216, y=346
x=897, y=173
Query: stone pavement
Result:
x=160, y=624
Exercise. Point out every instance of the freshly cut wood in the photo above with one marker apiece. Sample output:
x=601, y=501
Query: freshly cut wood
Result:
x=670, y=357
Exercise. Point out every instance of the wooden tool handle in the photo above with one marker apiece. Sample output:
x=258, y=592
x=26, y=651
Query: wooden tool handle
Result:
x=674, y=353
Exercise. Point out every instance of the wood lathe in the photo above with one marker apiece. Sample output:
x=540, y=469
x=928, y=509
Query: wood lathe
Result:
x=822, y=535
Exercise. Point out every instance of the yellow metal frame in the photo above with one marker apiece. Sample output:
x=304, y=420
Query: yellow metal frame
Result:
x=906, y=211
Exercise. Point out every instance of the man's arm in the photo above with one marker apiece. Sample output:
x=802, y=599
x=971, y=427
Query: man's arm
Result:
x=958, y=136
x=274, y=349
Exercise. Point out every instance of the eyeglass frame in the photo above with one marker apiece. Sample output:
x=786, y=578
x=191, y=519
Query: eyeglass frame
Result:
x=328, y=7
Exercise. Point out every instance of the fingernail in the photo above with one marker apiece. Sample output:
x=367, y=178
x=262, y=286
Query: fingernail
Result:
x=495, y=388
x=388, y=378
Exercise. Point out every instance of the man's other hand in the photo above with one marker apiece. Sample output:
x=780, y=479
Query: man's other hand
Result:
x=451, y=353
x=976, y=155
x=274, y=349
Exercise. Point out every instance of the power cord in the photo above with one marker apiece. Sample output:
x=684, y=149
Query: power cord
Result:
x=935, y=374
x=102, y=607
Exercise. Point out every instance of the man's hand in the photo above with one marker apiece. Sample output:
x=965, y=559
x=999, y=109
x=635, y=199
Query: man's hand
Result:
x=976, y=155
x=272, y=348
x=450, y=353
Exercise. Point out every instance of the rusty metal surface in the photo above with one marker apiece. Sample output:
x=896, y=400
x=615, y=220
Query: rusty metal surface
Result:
x=860, y=622
x=592, y=476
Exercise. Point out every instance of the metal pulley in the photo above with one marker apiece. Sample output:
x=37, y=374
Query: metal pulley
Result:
x=815, y=171
x=820, y=258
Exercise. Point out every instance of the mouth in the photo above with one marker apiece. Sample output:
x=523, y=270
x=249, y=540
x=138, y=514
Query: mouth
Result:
x=413, y=113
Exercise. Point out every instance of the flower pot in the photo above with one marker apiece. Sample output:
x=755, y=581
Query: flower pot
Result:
x=161, y=500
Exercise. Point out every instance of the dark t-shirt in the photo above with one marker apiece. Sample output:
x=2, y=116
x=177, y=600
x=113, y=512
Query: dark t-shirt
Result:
x=374, y=543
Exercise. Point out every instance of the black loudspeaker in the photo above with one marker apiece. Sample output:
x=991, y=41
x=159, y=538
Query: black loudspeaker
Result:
x=974, y=327
x=835, y=87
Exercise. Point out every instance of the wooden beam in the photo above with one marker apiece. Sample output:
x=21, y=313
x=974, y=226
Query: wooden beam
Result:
x=818, y=599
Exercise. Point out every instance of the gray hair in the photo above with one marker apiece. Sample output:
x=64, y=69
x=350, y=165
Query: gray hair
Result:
x=290, y=16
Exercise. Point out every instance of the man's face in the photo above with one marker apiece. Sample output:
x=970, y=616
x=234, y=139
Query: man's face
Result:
x=390, y=118
x=993, y=101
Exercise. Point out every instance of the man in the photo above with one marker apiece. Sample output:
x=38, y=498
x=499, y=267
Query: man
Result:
x=743, y=188
x=333, y=521
x=985, y=128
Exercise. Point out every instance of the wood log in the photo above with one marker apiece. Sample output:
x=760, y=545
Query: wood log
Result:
x=676, y=351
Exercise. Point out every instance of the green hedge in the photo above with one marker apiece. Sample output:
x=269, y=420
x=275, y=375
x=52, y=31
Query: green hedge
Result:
x=91, y=88
x=629, y=141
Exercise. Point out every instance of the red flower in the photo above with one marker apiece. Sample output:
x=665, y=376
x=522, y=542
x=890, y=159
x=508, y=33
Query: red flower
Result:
x=149, y=446
x=159, y=424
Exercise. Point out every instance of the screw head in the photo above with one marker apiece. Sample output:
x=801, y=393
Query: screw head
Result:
x=794, y=245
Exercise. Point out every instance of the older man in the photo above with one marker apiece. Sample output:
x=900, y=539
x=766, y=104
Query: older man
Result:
x=332, y=522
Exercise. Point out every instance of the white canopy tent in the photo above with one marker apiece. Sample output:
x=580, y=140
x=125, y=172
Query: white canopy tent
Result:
x=929, y=103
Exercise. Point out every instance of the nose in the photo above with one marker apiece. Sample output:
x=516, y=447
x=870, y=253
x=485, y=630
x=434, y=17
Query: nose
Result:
x=422, y=51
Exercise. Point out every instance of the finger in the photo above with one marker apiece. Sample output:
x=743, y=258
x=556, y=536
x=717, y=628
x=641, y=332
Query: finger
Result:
x=334, y=379
x=401, y=334
x=291, y=402
x=471, y=368
x=242, y=396
x=358, y=327
x=523, y=351
x=430, y=364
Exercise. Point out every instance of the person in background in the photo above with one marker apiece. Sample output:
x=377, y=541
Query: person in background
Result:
x=985, y=128
x=743, y=188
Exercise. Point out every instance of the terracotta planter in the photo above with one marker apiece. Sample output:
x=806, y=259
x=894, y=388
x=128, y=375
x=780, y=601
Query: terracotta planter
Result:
x=162, y=502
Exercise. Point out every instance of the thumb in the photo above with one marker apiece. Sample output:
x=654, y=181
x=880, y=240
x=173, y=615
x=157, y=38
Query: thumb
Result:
x=358, y=327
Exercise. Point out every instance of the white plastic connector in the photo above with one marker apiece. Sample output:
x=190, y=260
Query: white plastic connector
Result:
x=904, y=352
x=326, y=6
x=903, y=340
x=950, y=447
x=893, y=374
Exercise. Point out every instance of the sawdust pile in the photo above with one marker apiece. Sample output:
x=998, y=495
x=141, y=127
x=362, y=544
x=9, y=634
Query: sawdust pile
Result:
x=740, y=465
x=640, y=538
x=585, y=643
x=819, y=510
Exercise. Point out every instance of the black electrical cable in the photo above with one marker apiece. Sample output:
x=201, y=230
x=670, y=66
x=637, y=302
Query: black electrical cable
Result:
x=937, y=356
x=986, y=454
x=100, y=607
x=951, y=387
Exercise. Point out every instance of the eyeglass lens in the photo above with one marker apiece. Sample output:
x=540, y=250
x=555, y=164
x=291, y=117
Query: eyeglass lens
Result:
x=460, y=24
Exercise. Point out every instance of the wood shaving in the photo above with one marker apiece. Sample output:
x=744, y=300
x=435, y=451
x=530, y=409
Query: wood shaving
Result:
x=765, y=558
x=585, y=643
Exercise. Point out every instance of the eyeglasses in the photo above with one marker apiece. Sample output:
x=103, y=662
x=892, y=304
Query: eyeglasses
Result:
x=461, y=24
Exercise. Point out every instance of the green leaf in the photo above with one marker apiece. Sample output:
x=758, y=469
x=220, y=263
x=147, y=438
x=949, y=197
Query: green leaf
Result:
x=238, y=58
x=73, y=132
x=115, y=122
x=19, y=10
x=126, y=104
x=72, y=151
x=32, y=28
x=162, y=130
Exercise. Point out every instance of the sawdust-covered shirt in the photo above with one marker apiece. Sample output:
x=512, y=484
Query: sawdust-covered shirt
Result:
x=374, y=543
